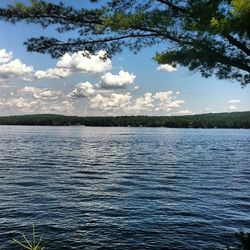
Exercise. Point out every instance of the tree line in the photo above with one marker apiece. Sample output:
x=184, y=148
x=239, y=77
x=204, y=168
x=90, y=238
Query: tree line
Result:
x=213, y=120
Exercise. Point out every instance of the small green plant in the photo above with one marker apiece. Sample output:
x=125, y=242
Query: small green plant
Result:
x=30, y=245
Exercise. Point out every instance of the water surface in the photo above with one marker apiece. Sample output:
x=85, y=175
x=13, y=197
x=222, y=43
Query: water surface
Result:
x=124, y=188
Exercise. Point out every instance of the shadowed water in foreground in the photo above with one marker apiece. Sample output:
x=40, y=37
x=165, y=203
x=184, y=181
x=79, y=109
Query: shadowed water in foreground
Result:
x=124, y=188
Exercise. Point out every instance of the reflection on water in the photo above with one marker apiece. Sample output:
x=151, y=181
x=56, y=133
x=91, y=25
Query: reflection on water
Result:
x=124, y=188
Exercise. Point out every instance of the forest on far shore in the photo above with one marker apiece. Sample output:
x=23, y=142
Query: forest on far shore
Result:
x=212, y=120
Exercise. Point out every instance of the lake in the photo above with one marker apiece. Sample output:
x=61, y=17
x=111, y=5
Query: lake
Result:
x=124, y=188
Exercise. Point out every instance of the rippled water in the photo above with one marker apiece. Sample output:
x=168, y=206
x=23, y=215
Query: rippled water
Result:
x=124, y=188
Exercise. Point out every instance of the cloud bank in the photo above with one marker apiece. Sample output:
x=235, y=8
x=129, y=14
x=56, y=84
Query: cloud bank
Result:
x=107, y=96
x=80, y=62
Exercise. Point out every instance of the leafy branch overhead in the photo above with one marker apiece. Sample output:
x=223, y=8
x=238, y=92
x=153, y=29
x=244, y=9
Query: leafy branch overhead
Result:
x=209, y=36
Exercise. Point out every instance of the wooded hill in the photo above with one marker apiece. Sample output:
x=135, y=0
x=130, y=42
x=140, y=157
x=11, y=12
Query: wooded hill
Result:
x=213, y=120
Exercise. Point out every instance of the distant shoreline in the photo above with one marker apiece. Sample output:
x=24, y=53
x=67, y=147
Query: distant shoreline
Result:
x=212, y=120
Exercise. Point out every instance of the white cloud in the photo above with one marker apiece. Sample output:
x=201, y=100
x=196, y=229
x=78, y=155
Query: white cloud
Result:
x=166, y=101
x=98, y=97
x=5, y=56
x=117, y=81
x=163, y=96
x=84, y=89
x=184, y=112
x=28, y=89
x=232, y=107
x=234, y=101
x=167, y=67
x=157, y=102
x=53, y=73
x=175, y=104
x=162, y=102
x=46, y=94
x=5, y=85
x=79, y=62
x=143, y=103
x=113, y=102
x=14, y=69
x=84, y=62
x=31, y=99
x=17, y=103
x=39, y=93
x=59, y=107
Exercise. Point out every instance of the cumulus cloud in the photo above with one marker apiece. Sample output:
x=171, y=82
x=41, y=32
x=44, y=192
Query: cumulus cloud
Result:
x=25, y=105
x=234, y=101
x=233, y=104
x=43, y=100
x=53, y=73
x=79, y=62
x=5, y=56
x=84, y=62
x=41, y=93
x=10, y=69
x=143, y=103
x=14, y=69
x=174, y=104
x=17, y=103
x=232, y=107
x=97, y=97
x=31, y=99
x=113, y=102
x=184, y=112
x=58, y=107
x=122, y=80
x=125, y=103
x=84, y=89
x=163, y=96
x=158, y=102
x=167, y=68
x=167, y=101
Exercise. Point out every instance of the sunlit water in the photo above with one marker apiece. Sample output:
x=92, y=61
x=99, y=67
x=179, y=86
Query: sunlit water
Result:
x=124, y=188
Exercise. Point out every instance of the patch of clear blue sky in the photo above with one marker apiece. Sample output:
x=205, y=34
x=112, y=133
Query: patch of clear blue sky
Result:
x=199, y=93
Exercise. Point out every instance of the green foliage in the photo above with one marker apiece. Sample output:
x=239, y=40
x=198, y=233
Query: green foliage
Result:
x=241, y=7
x=30, y=245
x=221, y=120
x=209, y=36
x=244, y=238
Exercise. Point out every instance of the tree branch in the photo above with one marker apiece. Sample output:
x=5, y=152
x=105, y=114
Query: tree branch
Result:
x=172, y=6
x=158, y=33
x=225, y=60
x=111, y=39
x=238, y=44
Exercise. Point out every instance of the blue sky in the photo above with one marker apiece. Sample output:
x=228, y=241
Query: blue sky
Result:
x=127, y=85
